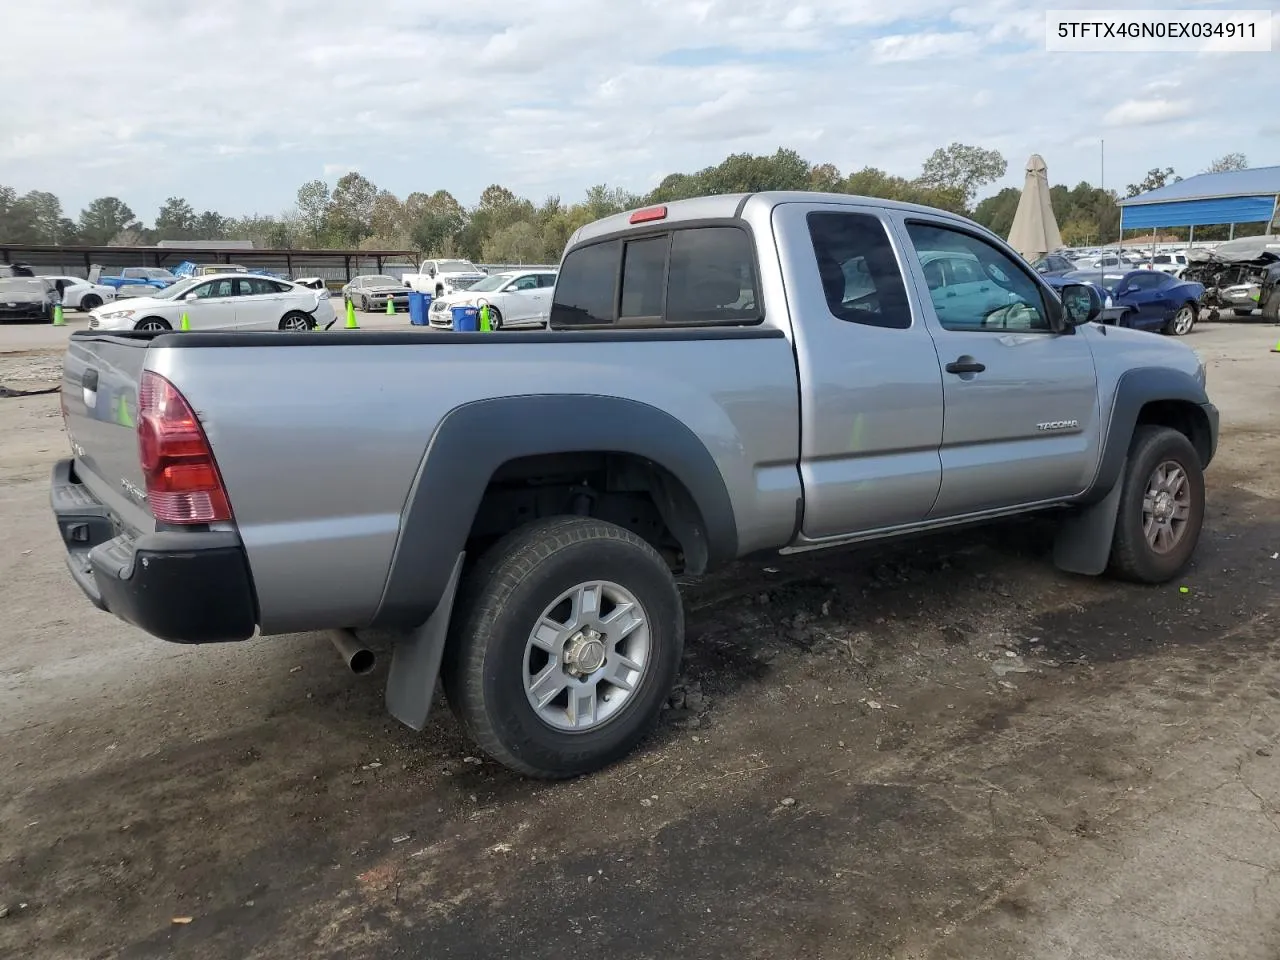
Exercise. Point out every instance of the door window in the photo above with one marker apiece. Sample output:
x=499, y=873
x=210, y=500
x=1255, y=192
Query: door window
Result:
x=859, y=272
x=546, y=281
x=1145, y=281
x=214, y=289
x=524, y=283
x=256, y=287
x=983, y=288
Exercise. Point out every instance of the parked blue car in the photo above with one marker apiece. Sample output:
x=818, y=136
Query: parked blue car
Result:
x=1143, y=299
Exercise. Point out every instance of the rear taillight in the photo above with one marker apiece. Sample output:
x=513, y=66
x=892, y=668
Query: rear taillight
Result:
x=183, y=483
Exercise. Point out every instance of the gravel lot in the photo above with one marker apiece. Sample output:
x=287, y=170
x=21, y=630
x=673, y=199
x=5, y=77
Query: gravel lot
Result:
x=947, y=750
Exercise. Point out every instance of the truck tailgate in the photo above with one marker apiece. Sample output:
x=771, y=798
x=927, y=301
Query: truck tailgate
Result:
x=100, y=377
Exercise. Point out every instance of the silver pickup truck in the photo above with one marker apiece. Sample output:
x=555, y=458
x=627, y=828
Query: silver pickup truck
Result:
x=722, y=377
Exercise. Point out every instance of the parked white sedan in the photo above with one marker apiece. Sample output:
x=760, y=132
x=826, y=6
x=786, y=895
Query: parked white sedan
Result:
x=233, y=301
x=516, y=298
x=79, y=294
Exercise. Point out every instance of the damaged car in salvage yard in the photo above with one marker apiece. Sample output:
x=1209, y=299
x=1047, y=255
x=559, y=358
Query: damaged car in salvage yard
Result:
x=722, y=377
x=27, y=298
x=1240, y=275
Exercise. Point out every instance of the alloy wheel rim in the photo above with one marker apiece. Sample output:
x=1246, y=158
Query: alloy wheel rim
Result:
x=1166, y=507
x=587, y=656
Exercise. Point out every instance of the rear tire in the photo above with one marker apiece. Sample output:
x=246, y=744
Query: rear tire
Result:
x=1163, y=487
x=296, y=320
x=90, y=301
x=152, y=323
x=1183, y=321
x=504, y=654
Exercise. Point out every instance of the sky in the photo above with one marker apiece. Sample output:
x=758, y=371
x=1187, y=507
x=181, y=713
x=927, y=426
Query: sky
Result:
x=234, y=104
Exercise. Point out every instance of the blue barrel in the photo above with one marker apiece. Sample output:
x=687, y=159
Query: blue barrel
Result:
x=418, y=304
x=465, y=319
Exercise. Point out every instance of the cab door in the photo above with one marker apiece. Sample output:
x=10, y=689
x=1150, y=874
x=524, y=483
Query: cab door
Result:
x=871, y=392
x=1021, y=398
x=212, y=305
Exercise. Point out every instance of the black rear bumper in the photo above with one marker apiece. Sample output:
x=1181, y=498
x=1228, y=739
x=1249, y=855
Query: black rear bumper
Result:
x=183, y=586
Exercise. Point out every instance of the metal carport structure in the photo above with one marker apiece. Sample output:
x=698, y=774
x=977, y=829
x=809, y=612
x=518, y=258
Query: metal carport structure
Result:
x=1235, y=196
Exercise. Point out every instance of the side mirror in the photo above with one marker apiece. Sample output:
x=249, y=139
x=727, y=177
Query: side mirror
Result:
x=1081, y=304
x=189, y=296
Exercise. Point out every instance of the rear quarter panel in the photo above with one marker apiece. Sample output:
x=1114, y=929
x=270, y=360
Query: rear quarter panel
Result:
x=319, y=445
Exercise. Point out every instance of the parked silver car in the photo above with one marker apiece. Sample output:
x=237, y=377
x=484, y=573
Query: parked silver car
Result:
x=371, y=292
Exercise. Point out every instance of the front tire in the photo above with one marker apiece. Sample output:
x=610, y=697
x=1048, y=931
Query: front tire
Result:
x=565, y=644
x=1161, y=507
x=364, y=304
x=152, y=323
x=1271, y=309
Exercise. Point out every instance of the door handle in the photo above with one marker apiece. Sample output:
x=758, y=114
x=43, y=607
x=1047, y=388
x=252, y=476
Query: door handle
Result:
x=965, y=365
x=951, y=293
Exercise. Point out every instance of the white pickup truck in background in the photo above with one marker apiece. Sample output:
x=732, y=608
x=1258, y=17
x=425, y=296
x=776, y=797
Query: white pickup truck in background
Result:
x=442, y=277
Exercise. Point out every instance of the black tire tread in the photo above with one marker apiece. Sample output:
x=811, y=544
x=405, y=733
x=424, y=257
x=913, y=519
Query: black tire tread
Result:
x=482, y=601
x=1271, y=309
x=1128, y=559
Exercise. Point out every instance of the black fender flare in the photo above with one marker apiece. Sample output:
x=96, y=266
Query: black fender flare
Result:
x=1083, y=541
x=1134, y=390
x=472, y=441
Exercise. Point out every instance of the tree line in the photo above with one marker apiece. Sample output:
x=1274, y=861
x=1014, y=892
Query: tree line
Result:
x=505, y=228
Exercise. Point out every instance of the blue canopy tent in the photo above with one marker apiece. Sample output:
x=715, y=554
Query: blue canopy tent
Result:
x=1236, y=196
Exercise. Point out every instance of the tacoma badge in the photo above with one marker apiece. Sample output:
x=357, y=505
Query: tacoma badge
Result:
x=1058, y=425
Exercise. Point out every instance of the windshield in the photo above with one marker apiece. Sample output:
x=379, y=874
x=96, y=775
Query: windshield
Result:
x=456, y=266
x=381, y=278
x=177, y=290
x=22, y=285
x=492, y=282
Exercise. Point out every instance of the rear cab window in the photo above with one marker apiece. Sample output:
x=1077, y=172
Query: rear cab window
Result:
x=696, y=275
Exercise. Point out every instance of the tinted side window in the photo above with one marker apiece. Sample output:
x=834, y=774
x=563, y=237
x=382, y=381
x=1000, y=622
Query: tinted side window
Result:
x=860, y=275
x=644, y=262
x=712, y=277
x=1006, y=298
x=546, y=280
x=588, y=278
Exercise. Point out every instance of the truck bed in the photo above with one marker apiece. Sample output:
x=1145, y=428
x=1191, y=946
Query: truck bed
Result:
x=320, y=437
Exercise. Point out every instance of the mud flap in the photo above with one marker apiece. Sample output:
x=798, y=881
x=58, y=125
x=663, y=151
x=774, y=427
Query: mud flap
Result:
x=1083, y=542
x=415, y=660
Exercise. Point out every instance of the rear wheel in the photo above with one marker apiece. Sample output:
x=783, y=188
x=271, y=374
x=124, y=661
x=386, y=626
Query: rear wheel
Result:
x=152, y=323
x=296, y=320
x=565, y=644
x=1161, y=507
x=90, y=301
x=1182, y=321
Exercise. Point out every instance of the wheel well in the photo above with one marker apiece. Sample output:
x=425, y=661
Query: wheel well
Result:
x=1187, y=418
x=153, y=320
x=622, y=488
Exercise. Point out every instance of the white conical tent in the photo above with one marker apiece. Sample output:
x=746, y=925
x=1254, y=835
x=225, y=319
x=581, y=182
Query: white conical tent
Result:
x=1035, y=229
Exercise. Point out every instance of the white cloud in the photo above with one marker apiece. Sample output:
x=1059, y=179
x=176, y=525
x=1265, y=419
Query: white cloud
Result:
x=236, y=104
x=1140, y=113
x=902, y=48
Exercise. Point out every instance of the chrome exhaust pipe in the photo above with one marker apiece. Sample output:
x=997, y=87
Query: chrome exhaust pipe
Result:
x=358, y=657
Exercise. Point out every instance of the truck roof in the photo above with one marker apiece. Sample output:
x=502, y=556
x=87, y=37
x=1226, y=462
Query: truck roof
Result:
x=729, y=205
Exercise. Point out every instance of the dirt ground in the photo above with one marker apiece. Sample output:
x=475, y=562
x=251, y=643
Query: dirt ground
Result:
x=947, y=750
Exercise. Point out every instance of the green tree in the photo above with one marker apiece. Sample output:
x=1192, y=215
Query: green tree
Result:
x=996, y=212
x=351, y=208
x=519, y=242
x=434, y=221
x=103, y=218
x=871, y=182
x=1154, y=180
x=211, y=225
x=313, y=209
x=176, y=220
x=825, y=178
x=963, y=168
x=387, y=218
